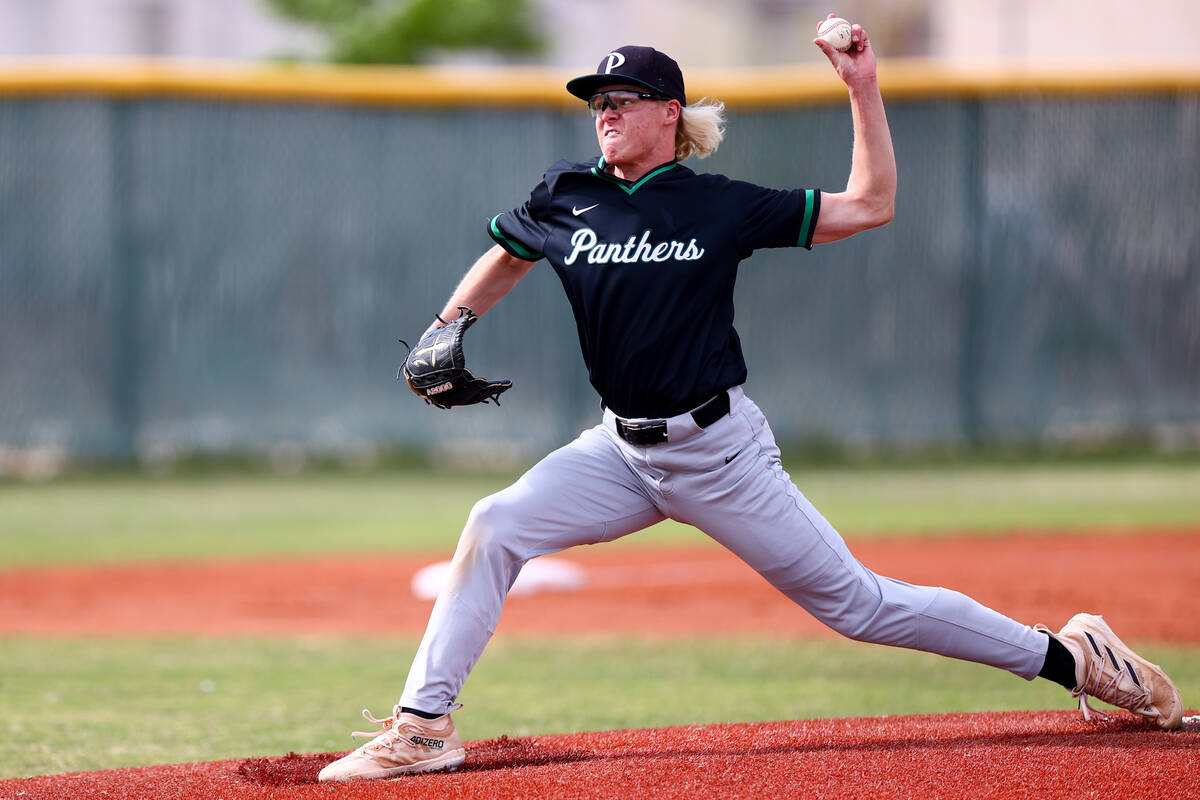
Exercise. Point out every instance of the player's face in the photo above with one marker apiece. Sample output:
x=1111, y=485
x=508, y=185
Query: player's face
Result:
x=631, y=128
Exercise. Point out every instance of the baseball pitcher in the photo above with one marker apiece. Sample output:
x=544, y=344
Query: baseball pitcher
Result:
x=648, y=251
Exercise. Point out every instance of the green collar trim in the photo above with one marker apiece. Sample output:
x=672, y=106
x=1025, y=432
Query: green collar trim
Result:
x=600, y=171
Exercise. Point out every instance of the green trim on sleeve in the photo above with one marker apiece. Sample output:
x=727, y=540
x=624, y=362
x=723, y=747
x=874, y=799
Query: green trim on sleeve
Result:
x=517, y=249
x=809, y=224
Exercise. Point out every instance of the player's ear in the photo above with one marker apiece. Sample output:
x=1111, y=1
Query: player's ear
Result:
x=674, y=110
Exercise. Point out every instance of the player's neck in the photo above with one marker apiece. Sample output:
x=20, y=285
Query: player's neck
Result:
x=634, y=171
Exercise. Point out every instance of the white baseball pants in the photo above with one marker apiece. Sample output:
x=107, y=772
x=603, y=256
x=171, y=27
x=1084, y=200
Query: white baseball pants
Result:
x=728, y=481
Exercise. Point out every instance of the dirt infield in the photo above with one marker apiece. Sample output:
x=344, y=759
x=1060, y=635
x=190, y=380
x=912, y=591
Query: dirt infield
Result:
x=1012, y=755
x=668, y=591
x=1143, y=582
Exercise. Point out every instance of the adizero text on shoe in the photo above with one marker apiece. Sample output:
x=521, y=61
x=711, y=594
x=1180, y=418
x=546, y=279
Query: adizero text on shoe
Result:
x=408, y=744
x=1105, y=668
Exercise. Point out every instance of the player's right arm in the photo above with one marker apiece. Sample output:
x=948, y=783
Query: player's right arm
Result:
x=870, y=196
x=489, y=279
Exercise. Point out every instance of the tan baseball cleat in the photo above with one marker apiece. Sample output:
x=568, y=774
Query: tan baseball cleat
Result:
x=408, y=744
x=1108, y=670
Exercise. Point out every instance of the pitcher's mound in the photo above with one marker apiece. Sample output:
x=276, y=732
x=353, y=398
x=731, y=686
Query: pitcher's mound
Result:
x=997, y=755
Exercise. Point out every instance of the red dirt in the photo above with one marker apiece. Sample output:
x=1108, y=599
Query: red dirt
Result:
x=1010, y=755
x=1142, y=582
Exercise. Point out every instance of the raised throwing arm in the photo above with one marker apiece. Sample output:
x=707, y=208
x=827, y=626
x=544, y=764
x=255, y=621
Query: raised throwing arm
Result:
x=870, y=195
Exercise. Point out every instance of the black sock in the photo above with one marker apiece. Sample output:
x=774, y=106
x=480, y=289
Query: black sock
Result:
x=421, y=714
x=1060, y=664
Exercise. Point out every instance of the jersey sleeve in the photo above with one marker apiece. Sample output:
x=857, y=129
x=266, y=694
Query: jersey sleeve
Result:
x=523, y=231
x=776, y=218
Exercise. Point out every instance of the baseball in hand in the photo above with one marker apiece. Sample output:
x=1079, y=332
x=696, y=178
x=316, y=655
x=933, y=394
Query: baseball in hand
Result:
x=836, y=31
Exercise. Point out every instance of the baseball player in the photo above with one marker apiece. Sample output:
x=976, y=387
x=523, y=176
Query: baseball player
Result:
x=647, y=251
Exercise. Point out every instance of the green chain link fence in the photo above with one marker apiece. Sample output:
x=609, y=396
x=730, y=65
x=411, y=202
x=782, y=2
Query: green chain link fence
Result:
x=187, y=275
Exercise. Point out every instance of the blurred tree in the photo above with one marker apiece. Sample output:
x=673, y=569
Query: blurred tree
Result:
x=412, y=31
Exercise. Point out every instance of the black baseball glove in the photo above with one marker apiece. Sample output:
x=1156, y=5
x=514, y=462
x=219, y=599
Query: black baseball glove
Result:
x=436, y=368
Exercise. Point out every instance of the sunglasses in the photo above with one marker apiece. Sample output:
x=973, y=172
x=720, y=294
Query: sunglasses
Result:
x=620, y=100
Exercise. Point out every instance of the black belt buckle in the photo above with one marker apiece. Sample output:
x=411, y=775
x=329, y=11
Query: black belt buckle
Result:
x=643, y=434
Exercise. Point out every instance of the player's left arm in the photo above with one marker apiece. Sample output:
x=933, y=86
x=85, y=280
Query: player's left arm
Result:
x=488, y=280
x=870, y=195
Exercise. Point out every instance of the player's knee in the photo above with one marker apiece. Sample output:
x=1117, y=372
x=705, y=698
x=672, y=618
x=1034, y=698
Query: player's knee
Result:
x=864, y=627
x=491, y=529
x=892, y=617
x=856, y=621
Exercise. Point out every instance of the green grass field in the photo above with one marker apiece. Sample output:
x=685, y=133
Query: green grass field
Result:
x=129, y=518
x=84, y=704
x=92, y=703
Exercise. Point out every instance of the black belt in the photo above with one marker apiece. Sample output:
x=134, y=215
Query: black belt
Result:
x=651, y=432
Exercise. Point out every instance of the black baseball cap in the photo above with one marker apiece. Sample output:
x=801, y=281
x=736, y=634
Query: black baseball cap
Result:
x=640, y=66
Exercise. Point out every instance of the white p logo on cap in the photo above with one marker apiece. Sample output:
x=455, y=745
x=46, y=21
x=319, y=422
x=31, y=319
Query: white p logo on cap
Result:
x=614, y=60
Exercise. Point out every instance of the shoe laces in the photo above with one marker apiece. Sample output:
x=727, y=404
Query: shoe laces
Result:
x=1134, y=698
x=388, y=729
x=383, y=723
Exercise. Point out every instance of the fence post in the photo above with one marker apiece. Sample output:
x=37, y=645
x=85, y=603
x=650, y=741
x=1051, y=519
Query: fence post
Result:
x=974, y=244
x=125, y=390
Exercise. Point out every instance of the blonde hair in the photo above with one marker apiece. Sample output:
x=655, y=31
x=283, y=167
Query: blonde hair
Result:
x=701, y=129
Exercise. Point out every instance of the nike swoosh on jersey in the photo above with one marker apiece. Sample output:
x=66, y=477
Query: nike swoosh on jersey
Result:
x=578, y=211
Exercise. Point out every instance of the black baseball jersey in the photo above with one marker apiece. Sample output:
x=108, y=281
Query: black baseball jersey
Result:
x=649, y=268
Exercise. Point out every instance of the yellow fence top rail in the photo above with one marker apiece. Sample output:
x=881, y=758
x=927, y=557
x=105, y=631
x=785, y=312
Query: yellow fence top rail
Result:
x=530, y=86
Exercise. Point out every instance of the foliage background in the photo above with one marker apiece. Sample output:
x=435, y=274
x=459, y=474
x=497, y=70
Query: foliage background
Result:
x=414, y=31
